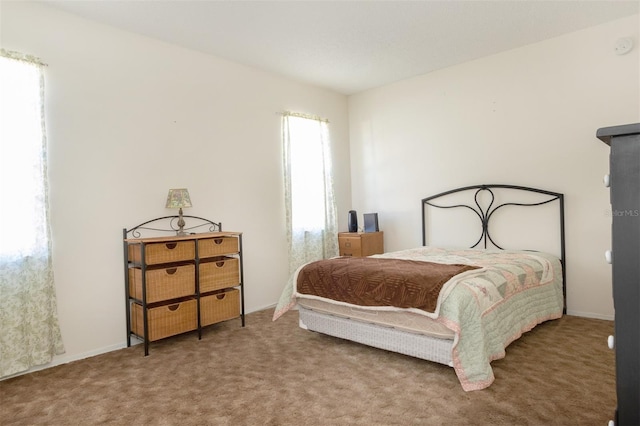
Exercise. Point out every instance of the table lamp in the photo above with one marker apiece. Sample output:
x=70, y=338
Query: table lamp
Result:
x=177, y=199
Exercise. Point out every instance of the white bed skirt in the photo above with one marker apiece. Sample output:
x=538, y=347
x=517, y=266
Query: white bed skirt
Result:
x=391, y=339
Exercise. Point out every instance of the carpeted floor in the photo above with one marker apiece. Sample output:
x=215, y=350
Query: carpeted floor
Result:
x=274, y=373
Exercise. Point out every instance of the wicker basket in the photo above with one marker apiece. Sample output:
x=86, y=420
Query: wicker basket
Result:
x=219, y=307
x=166, y=320
x=163, y=284
x=220, y=273
x=210, y=247
x=176, y=251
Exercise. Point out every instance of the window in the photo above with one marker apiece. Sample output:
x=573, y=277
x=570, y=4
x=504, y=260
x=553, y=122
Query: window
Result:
x=308, y=170
x=22, y=162
x=310, y=205
x=29, y=334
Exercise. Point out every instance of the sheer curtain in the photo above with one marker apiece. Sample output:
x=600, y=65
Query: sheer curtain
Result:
x=312, y=230
x=29, y=330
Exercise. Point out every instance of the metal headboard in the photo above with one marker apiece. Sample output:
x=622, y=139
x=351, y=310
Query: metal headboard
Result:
x=485, y=213
x=168, y=224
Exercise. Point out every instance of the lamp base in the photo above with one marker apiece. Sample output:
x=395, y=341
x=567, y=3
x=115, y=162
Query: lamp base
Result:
x=180, y=232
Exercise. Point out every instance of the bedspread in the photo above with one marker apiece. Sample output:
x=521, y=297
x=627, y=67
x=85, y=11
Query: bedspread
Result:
x=487, y=308
x=377, y=281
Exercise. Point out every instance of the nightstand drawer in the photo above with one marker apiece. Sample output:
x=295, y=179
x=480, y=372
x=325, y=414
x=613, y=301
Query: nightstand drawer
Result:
x=163, y=283
x=350, y=246
x=218, y=274
x=175, y=251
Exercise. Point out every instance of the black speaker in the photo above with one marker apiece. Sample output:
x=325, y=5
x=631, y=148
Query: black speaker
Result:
x=353, y=221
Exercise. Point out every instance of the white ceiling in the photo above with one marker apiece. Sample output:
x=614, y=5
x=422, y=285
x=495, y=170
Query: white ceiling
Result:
x=350, y=46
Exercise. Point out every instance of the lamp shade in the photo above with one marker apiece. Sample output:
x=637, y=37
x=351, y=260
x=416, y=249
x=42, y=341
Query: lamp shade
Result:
x=178, y=198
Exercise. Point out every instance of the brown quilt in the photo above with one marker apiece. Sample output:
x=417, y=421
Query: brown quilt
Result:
x=370, y=281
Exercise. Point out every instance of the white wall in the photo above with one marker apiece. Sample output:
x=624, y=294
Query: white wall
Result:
x=526, y=117
x=128, y=118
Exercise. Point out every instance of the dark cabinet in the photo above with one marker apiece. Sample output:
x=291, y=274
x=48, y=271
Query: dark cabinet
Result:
x=624, y=183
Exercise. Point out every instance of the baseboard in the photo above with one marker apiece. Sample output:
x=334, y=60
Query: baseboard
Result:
x=271, y=306
x=590, y=315
x=64, y=359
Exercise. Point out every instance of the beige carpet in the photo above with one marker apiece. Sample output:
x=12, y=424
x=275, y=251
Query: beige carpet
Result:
x=274, y=373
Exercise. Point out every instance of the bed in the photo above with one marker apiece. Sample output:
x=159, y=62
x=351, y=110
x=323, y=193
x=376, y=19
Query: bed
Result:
x=456, y=306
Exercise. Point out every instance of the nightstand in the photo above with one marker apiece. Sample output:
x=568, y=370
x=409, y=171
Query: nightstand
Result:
x=359, y=244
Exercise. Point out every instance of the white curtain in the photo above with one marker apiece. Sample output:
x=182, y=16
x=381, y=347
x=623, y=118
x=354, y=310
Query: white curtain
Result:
x=29, y=330
x=312, y=230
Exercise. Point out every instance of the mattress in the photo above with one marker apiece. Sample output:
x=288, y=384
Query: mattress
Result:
x=404, y=321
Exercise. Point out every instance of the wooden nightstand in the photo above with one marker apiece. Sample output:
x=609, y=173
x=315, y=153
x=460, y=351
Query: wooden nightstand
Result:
x=359, y=244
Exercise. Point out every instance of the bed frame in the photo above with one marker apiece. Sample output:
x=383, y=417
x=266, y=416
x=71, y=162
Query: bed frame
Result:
x=485, y=213
x=421, y=346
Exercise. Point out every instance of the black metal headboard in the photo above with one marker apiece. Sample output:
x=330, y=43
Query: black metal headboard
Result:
x=485, y=213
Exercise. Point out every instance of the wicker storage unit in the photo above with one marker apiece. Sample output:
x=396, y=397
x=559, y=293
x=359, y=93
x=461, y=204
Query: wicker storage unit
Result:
x=220, y=273
x=165, y=252
x=163, y=283
x=180, y=276
x=220, y=307
x=166, y=320
x=211, y=247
